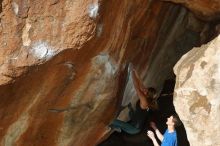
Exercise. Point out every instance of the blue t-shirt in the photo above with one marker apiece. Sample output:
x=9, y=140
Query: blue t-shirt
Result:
x=169, y=139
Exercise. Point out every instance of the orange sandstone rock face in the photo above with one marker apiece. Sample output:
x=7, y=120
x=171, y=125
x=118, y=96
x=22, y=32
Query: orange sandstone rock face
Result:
x=34, y=31
x=62, y=67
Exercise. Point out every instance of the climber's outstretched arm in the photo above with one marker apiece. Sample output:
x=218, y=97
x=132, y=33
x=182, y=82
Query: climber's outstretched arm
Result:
x=138, y=85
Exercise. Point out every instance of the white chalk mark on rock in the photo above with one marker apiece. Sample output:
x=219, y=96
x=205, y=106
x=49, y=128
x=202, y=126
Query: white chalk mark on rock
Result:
x=42, y=50
x=93, y=10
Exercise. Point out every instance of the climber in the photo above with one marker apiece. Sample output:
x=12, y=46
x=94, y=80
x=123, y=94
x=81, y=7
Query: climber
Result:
x=147, y=100
x=170, y=137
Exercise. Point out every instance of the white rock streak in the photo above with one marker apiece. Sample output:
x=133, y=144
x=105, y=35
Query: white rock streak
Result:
x=99, y=30
x=104, y=59
x=25, y=34
x=21, y=124
x=15, y=7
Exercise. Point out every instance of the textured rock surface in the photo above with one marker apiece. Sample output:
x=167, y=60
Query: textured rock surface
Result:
x=61, y=67
x=62, y=63
x=206, y=9
x=197, y=93
x=34, y=31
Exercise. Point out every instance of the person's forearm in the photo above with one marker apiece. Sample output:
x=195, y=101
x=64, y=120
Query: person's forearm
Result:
x=159, y=135
x=155, y=142
x=135, y=79
x=137, y=86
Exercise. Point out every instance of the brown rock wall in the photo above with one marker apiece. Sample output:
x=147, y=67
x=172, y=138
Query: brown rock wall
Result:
x=63, y=76
x=62, y=65
x=205, y=9
x=34, y=31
